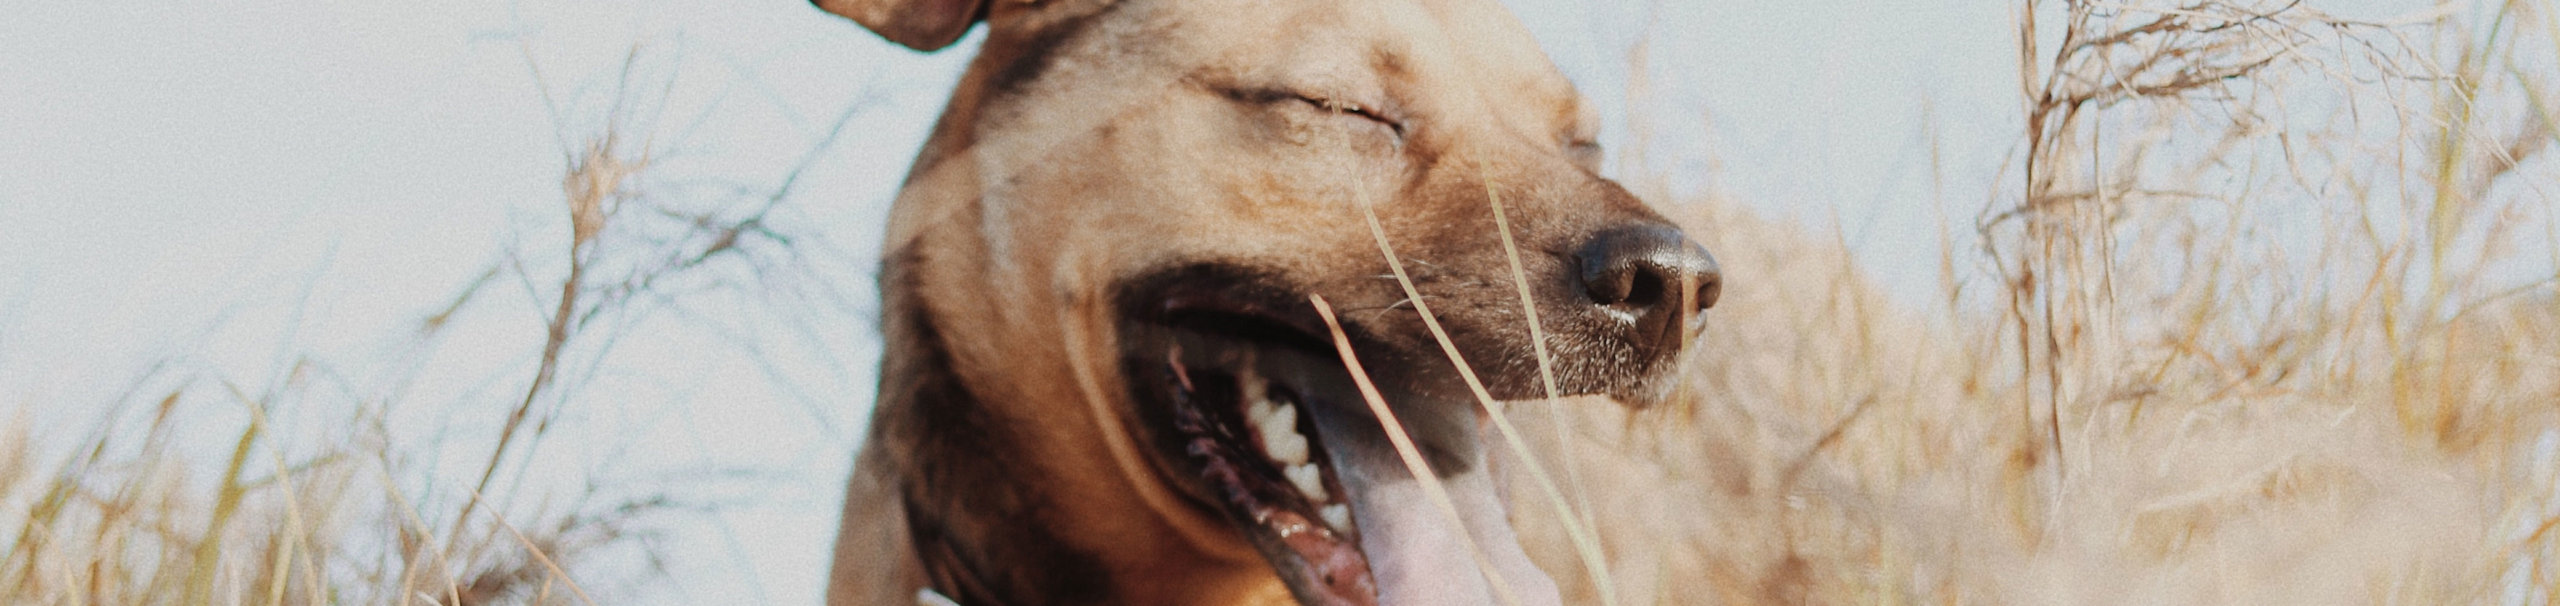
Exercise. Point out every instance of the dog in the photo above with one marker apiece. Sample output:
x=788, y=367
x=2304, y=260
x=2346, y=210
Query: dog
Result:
x=1106, y=376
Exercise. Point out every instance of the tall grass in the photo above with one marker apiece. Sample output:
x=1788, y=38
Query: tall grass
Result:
x=2265, y=314
x=370, y=507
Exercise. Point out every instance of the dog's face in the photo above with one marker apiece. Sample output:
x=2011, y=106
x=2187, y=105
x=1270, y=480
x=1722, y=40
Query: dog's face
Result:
x=1118, y=227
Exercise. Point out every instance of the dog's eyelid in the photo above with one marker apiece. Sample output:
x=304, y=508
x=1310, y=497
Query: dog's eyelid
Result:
x=1584, y=152
x=1329, y=103
x=1371, y=112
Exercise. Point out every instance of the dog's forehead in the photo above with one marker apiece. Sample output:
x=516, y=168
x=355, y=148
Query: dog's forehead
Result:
x=1462, y=70
x=1423, y=47
x=1443, y=41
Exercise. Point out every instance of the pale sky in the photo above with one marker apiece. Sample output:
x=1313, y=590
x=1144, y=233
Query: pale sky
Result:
x=236, y=182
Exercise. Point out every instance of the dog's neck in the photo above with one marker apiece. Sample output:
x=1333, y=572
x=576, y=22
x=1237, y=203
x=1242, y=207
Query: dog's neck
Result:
x=943, y=478
x=971, y=516
x=982, y=516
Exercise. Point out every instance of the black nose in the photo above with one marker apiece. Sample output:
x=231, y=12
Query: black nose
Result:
x=1652, y=272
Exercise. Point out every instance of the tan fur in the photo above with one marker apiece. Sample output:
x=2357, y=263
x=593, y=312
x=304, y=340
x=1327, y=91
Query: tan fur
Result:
x=1088, y=143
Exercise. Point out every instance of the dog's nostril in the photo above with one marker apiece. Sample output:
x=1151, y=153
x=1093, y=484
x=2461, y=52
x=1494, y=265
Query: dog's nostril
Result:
x=1644, y=289
x=1606, y=283
x=1647, y=269
x=1711, y=285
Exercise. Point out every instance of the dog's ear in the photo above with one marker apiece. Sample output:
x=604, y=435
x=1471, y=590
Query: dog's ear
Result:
x=924, y=25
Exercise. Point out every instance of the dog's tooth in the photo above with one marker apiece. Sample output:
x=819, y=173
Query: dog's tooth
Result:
x=1283, y=418
x=1257, y=414
x=1336, y=515
x=1256, y=410
x=1280, y=439
x=1257, y=394
x=1309, y=480
x=1284, y=446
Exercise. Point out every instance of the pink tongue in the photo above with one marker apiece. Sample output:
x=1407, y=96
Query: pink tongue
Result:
x=1416, y=553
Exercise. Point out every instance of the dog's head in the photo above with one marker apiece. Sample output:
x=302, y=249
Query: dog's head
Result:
x=1120, y=221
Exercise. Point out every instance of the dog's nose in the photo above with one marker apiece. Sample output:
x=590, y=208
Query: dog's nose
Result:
x=1652, y=272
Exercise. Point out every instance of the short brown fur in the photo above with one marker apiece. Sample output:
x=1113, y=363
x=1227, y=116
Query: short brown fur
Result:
x=1092, y=143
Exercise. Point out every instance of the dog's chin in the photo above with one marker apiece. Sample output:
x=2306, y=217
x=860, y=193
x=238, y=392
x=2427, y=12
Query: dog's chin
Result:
x=1257, y=419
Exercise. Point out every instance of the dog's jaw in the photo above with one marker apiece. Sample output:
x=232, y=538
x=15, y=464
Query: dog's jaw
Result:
x=1250, y=444
x=1259, y=421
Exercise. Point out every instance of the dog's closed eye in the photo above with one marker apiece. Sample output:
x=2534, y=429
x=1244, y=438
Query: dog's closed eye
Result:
x=1584, y=153
x=1370, y=115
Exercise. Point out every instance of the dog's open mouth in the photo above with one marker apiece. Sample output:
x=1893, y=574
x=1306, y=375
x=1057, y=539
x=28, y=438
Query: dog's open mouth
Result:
x=1257, y=418
x=1252, y=442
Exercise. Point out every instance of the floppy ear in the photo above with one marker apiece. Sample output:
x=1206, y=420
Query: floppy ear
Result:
x=924, y=25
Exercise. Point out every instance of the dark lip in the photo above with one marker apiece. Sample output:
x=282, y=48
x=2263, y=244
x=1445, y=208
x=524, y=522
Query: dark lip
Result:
x=1241, y=312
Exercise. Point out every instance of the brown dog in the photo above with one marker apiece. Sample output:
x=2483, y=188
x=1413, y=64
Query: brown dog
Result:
x=1105, y=382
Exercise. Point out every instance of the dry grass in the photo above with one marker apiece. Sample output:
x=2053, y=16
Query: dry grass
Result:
x=359, y=511
x=2268, y=317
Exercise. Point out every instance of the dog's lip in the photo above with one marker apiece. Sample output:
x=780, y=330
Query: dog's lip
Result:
x=1299, y=319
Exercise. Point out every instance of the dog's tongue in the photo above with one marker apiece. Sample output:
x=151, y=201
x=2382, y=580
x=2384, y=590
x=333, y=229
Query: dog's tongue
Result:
x=1416, y=554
